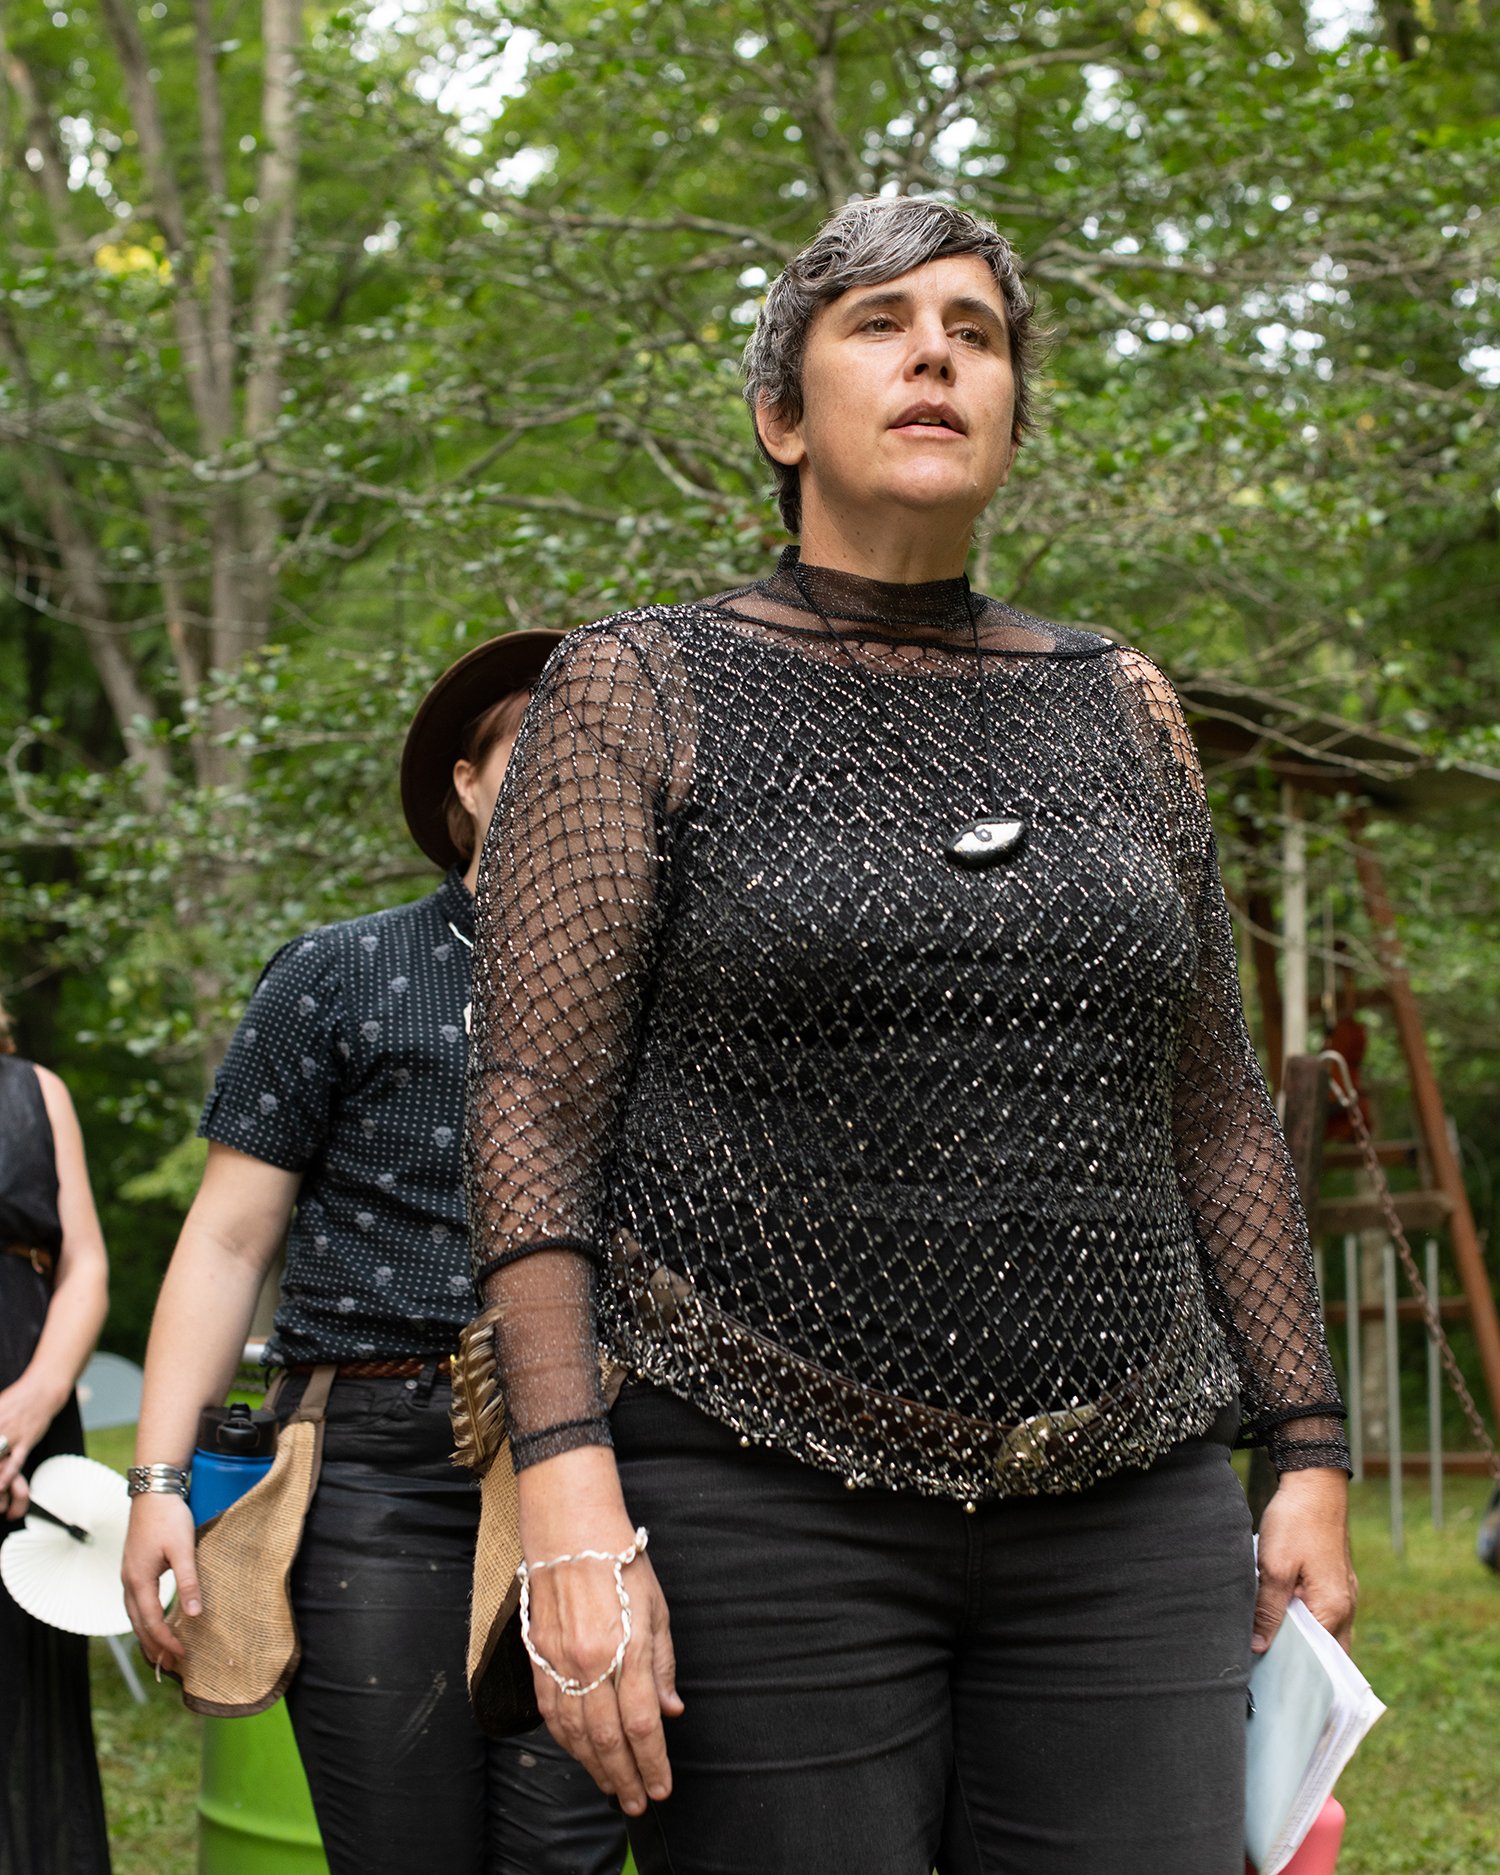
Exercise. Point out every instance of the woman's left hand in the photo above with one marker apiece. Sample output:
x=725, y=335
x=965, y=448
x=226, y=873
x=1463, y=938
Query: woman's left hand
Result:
x=1304, y=1551
x=25, y=1414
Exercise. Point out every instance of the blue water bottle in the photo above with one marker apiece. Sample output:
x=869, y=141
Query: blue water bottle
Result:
x=234, y=1450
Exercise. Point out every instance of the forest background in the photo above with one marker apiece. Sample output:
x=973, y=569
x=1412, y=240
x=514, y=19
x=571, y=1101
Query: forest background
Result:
x=334, y=339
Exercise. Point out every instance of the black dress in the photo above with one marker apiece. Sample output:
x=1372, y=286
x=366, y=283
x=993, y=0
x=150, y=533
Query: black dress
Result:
x=52, y=1810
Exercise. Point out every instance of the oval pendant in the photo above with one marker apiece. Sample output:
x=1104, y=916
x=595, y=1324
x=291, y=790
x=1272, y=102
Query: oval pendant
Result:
x=982, y=842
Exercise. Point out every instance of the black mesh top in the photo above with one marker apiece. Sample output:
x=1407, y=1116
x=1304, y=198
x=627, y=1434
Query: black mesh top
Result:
x=955, y=1178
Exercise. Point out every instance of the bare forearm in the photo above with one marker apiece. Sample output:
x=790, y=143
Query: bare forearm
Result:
x=572, y=1501
x=80, y=1295
x=197, y=1340
x=198, y=1333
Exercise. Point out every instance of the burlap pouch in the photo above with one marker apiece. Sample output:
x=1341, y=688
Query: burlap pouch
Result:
x=242, y=1650
x=501, y=1688
x=499, y=1673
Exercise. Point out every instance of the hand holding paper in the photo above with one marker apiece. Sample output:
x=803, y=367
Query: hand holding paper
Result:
x=1311, y=1708
x=1303, y=1550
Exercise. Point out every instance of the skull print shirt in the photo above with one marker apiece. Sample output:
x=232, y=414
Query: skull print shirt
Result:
x=348, y=1067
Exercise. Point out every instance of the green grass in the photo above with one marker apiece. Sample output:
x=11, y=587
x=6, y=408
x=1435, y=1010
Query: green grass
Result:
x=148, y=1758
x=148, y=1755
x=1423, y=1794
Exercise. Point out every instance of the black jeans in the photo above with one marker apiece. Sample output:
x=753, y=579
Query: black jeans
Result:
x=877, y=1682
x=401, y=1776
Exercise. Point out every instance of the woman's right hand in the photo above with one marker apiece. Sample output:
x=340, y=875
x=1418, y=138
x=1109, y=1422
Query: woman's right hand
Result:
x=160, y=1537
x=570, y=1503
x=27, y=1409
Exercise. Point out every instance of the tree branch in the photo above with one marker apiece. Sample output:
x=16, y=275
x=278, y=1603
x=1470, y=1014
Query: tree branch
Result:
x=643, y=224
x=166, y=206
x=169, y=579
x=216, y=175
x=52, y=177
x=241, y=626
x=54, y=496
x=832, y=158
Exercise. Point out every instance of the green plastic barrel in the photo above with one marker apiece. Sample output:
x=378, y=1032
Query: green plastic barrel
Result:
x=255, y=1815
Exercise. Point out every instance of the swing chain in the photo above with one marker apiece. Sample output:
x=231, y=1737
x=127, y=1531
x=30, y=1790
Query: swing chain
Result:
x=1341, y=1081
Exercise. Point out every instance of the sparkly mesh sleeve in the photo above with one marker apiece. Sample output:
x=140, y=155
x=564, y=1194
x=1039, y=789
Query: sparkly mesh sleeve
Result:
x=565, y=919
x=1232, y=1160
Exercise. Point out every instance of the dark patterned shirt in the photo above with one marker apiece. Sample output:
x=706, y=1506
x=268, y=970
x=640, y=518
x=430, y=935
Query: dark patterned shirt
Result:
x=348, y=1068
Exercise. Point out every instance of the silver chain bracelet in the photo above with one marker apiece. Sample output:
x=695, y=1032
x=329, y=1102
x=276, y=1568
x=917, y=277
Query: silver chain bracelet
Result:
x=575, y=1689
x=170, y=1480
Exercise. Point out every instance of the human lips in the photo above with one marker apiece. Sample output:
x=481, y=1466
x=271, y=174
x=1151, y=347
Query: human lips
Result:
x=932, y=420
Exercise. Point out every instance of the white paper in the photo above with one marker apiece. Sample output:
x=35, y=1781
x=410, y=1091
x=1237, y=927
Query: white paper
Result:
x=1312, y=1706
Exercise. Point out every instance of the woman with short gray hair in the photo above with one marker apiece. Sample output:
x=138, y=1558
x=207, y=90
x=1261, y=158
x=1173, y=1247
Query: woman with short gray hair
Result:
x=860, y=1083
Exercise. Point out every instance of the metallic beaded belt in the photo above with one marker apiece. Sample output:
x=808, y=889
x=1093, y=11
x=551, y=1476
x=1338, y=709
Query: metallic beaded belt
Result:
x=42, y=1261
x=1016, y=1455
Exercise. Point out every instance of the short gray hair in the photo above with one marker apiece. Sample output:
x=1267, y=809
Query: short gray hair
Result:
x=868, y=241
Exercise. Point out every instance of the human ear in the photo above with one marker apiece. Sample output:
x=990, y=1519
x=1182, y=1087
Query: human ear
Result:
x=781, y=439
x=463, y=785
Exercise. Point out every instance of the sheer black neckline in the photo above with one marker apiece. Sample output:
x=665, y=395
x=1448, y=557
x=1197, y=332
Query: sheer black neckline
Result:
x=934, y=602
x=943, y=616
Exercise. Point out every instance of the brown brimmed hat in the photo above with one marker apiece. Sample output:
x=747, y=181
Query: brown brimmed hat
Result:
x=480, y=678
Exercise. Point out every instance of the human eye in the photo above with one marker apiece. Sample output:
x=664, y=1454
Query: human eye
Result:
x=879, y=322
x=973, y=335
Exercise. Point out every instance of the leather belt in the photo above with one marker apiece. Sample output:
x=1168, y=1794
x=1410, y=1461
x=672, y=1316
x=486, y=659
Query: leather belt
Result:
x=42, y=1261
x=376, y=1370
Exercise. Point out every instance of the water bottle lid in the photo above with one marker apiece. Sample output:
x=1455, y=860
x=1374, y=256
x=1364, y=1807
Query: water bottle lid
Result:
x=235, y=1432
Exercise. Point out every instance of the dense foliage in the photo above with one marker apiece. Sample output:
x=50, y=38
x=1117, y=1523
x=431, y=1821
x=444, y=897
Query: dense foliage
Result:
x=334, y=340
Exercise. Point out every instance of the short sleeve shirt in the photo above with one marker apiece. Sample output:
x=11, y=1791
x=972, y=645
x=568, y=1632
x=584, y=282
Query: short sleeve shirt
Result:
x=348, y=1067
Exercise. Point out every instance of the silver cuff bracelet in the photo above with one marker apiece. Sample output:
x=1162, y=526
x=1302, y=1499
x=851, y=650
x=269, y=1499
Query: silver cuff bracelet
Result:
x=143, y=1479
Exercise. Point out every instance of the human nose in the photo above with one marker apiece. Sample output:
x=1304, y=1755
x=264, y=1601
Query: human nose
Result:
x=931, y=351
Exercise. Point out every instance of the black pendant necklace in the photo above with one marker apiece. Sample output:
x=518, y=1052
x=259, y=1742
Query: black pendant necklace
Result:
x=988, y=839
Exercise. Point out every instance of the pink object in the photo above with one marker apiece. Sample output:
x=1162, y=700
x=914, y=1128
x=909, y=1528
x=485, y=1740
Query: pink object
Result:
x=1319, y=1853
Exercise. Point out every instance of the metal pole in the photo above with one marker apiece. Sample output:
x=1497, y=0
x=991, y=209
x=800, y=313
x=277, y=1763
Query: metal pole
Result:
x=1293, y=923
x=1393, y=1398
x=1354, y=1338
x=127, y=1669
x=1434, y=1398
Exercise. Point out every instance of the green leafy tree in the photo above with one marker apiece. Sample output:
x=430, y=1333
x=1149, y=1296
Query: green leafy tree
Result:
x=328, y=348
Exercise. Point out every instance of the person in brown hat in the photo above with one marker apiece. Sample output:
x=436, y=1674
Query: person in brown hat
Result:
x=455, y=756
x=335, y=1122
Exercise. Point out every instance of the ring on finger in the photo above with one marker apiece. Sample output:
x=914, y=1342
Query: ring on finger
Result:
x=4, y=1446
